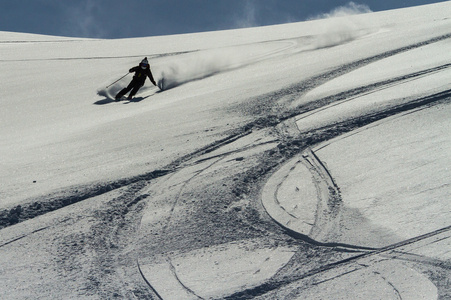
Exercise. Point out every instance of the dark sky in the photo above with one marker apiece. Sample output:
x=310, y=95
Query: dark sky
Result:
x=138, y=18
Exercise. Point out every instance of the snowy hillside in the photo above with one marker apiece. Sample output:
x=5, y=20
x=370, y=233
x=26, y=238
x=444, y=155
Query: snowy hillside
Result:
x=300, y=161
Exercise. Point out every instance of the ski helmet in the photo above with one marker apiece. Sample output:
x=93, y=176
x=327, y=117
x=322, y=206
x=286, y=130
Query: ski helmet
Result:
x=144, y=63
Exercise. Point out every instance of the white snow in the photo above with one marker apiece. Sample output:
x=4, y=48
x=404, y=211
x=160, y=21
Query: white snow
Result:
x=215, y=271
x=59, y=138
x=404, y=161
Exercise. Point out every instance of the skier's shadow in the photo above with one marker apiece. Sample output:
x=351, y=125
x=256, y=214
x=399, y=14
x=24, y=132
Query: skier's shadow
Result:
x=136, y=100
x=125, y=101
x=104, y=101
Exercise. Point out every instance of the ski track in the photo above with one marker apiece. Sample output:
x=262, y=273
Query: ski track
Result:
x=266, y=288
x=133, y=202
x=372, y=88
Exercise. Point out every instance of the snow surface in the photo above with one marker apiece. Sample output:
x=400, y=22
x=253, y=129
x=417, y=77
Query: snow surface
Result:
x=299, y=161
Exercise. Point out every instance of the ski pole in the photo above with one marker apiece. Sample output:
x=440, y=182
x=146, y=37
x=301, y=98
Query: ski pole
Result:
x=117, y=80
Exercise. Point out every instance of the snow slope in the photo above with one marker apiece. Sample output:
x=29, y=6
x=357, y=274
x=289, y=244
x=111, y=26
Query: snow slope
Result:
x=299, y=161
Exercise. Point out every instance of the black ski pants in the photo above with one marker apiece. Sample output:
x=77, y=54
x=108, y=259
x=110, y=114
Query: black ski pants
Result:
x=134, y=86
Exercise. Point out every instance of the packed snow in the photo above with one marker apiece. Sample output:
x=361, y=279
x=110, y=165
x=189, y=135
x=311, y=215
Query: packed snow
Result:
x=299, y=161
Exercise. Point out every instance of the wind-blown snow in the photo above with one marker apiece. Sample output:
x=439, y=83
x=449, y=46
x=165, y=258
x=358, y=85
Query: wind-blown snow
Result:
x=349, y=9
x=193, y=66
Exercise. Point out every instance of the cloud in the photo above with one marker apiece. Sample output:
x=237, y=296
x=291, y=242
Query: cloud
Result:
x=248, y=16
x=83, y=19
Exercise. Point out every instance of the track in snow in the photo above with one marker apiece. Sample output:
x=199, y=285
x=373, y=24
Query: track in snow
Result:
x=288, y=146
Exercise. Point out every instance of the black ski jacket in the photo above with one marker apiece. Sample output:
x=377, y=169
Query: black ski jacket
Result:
x=141, y=74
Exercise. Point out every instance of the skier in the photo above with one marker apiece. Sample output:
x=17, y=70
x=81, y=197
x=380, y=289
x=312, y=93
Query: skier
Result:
x=141, y=72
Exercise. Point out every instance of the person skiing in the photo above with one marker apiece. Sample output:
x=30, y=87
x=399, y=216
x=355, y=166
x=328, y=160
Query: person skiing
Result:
x=141, y=72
